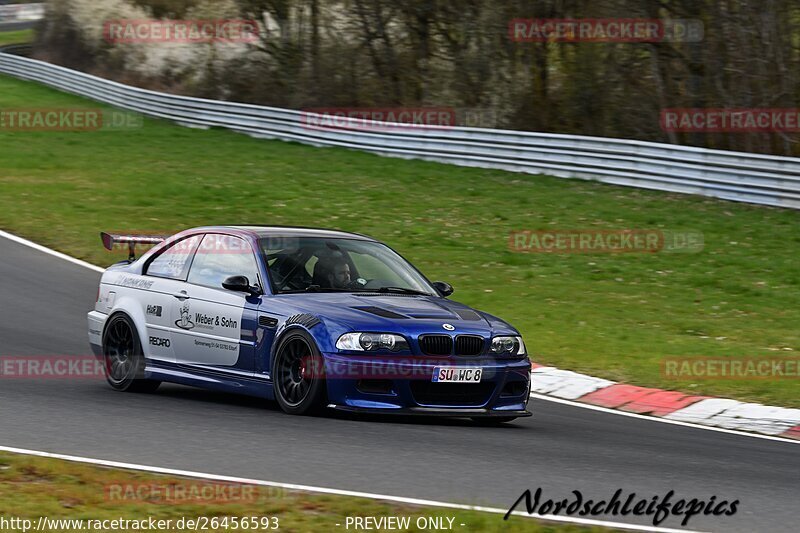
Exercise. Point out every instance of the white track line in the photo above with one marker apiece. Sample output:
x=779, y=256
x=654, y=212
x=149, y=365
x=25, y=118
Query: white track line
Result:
x=572, y=403
x=337, y=492
x=65, y=257
x=48, y=251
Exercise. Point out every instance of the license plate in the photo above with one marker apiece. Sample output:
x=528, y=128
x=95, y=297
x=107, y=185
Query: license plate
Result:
x=443, y=374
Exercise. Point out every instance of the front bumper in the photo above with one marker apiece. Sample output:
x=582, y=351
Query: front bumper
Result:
x=435, y=411
x=403, y=385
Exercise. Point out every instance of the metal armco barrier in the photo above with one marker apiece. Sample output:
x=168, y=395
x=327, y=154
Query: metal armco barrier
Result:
x=12, y=15
x=737, y=176
x=18, y=49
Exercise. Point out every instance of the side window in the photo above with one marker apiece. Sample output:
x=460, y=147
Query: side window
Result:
x=220, y=257
x=173, y=263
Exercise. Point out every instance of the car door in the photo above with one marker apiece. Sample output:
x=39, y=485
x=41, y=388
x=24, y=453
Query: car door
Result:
x=167, y=273
x=215, y=326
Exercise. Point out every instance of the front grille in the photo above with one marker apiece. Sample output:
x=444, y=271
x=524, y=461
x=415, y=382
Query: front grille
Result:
x=451, y=394
x=436, y=344
x=469, y=345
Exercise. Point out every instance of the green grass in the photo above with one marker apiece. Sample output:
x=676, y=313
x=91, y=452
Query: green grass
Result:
x=32, y=487
x=15, y=37
x=614, y=316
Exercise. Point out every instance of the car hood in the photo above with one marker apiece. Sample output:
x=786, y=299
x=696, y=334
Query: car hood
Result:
x=370, y=310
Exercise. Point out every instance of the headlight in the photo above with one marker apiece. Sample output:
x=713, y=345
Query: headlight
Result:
x=507, y=346
x=370, y=342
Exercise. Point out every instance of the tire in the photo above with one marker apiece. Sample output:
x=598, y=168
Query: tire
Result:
x=123, y=357
x=299, y=391
x=493, y=421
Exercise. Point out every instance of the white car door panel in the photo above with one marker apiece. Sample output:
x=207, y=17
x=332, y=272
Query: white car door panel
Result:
x=208, y=318
x=208, y=327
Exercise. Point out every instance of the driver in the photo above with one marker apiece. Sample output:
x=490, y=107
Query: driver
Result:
x=332, y=272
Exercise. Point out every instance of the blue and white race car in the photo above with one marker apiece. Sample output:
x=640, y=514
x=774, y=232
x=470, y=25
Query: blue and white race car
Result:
x=311, y=318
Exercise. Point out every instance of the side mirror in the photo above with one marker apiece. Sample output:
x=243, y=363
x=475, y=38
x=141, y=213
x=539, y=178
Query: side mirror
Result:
x=241, y=284
x=445, y=289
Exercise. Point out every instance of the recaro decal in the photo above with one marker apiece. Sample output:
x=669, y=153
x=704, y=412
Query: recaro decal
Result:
x=160, y=342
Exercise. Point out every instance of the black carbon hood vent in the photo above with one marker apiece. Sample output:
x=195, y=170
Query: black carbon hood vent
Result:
x=385, y=313
x=467, y=314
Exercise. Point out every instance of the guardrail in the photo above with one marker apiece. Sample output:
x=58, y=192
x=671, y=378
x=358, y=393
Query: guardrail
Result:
x=20, y=15
x=737, y=176
x=23, y=49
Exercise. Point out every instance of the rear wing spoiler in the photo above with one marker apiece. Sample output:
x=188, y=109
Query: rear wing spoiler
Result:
x=110, y=239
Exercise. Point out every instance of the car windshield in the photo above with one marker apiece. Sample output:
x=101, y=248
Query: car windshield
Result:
x=316, y=264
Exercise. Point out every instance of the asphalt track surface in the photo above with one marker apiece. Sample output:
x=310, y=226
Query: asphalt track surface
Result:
x=43, y=303
x=14, y=26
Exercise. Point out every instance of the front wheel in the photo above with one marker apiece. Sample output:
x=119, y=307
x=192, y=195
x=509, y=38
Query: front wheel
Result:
x=298, y=374
x=124, y=358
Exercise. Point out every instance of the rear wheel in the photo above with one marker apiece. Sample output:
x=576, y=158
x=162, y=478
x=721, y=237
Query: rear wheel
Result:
x=124, y=358
x=297, y=374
